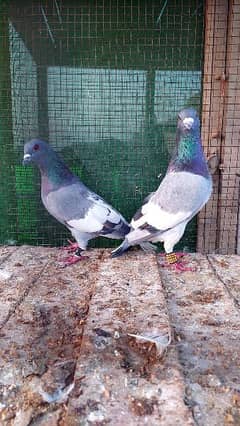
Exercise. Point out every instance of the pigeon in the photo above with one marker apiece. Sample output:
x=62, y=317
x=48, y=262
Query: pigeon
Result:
x=83, y=212
x=184, y=190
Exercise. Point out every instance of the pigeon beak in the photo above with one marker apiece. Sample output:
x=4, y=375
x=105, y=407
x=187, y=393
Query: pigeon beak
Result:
x=188, y=122
x=27, y=159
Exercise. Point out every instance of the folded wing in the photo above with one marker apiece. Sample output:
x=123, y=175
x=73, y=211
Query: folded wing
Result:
x=180, y=196
x=79, y=208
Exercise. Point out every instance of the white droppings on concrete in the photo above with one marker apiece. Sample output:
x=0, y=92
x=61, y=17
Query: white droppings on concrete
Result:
x=5, y=275
x=96, y=416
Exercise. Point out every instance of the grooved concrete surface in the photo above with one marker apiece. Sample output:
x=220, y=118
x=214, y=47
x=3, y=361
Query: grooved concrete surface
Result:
x=118, y=341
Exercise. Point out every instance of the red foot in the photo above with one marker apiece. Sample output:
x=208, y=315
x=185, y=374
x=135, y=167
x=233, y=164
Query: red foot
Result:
x=180, y=265
x=71, y=260
x=72, y=247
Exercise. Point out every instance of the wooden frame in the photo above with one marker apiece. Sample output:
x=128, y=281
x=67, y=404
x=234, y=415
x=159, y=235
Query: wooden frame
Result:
x=218, y=222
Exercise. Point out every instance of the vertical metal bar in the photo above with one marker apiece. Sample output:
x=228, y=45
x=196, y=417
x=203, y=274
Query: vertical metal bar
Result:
x=42, y=90
x=150, y=93
x=43, y=129
x=8, y=206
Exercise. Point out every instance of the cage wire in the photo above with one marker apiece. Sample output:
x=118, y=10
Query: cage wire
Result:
x=103, y=82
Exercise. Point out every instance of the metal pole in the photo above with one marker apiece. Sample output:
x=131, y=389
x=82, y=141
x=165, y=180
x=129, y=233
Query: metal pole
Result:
x=8, y=205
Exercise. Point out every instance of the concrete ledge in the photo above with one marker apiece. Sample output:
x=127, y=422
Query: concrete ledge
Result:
x=118, y=341
x=69, y=351
x=124, y=380
x=204, y=313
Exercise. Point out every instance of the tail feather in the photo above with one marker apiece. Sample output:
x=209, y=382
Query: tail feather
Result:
x=113, y=230
x=123, y=229
x=121, y=249
x=148, y=247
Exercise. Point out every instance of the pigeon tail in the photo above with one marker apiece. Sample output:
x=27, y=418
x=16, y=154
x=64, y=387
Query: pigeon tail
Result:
x=123, y=229
x=148, y=247
x=111, y=230
x=121, y=249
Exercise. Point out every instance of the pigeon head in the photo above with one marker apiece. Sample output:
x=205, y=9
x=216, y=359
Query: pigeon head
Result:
x=188, y=154
x=36, y=151
x=47, y=160
x=188, y=121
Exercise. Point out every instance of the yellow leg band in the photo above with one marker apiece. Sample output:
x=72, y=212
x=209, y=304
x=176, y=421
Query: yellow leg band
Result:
x=171, y=258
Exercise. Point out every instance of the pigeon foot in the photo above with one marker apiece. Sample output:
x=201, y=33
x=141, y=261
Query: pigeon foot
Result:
x=71, y=247
x=174, y=262
x=75, y=258
x=71, y=260
x=181, y=267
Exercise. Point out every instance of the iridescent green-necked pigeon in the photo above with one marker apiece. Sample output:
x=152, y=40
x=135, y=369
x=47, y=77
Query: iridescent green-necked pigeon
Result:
x=66, y=198
x=184, y=190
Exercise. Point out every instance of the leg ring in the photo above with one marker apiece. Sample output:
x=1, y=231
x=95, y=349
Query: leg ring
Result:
x=171, y=258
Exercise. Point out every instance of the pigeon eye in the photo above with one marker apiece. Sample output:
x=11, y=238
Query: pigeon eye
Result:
x=36, y=147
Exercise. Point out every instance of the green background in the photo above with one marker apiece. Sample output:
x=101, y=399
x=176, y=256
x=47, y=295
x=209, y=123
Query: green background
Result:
x=102, y=81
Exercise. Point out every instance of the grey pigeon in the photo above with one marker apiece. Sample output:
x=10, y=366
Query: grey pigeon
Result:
x=184, y=190
x=83, y=212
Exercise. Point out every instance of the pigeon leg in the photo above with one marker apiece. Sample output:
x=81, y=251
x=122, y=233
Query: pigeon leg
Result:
x=178, y=254
x=173, y=262
x=71, y=247
x=76, y=257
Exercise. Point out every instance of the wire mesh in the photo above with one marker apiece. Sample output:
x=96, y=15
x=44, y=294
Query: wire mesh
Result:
x=102, y=81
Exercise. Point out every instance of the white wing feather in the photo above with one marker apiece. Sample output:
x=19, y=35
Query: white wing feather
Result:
x=160, y=219
x=95, y=218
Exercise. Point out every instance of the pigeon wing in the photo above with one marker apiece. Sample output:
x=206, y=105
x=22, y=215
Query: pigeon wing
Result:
x=179, y=197
x=79, y=208
x=99, y=218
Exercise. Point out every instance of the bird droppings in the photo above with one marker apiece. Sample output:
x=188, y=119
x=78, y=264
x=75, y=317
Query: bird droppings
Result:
x=5, y=275
x=58, y=395
x=113, y=342
x=96, y=416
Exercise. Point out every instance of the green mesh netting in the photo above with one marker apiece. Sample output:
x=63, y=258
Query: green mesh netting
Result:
x=102, y=81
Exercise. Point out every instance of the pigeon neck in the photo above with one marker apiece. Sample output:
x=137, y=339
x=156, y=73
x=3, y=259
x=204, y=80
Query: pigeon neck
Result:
x=54, y=171
x=189, y=155
x=187, y=148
